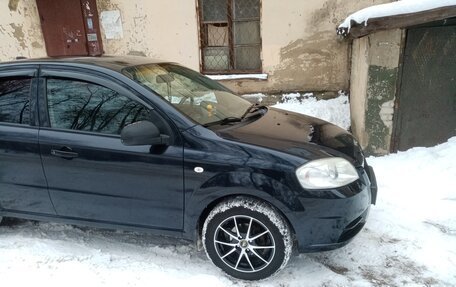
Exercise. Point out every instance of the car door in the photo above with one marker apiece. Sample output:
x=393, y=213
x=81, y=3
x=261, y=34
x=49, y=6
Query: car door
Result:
x=23, y=186
x=91, y=174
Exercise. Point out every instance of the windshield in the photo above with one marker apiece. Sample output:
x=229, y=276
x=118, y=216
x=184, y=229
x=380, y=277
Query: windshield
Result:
x=200, y=98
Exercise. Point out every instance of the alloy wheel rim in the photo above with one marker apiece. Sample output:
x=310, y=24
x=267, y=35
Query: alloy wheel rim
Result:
x=244, y=244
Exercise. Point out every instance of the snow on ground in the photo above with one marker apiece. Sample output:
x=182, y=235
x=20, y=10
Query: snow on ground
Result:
x=409, y=240
x=336, y=111
x=395, y=8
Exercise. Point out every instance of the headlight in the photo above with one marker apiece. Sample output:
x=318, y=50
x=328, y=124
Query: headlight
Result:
x=326, y=173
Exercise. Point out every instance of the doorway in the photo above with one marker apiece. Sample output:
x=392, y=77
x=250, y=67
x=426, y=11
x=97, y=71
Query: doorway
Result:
x=426, y=105
x=70, y=27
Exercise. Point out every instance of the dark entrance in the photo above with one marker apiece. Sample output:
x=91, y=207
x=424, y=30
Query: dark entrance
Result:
x=426, y=110
x=70, y=27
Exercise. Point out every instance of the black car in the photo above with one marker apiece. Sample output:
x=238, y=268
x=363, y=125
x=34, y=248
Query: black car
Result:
x=137, y=144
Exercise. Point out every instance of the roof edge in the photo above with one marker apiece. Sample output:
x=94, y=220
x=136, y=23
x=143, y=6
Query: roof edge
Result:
x=355, y=30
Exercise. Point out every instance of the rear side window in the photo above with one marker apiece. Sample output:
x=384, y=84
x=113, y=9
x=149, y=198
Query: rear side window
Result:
x=84, y=106
x=15, y=100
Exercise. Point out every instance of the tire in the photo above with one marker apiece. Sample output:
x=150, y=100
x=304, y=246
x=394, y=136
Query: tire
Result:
x=258, y=248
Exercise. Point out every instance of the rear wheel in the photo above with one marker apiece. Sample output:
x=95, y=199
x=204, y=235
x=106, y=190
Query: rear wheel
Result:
x=247, y=238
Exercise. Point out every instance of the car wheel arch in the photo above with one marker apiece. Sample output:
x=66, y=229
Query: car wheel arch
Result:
x=212, y=204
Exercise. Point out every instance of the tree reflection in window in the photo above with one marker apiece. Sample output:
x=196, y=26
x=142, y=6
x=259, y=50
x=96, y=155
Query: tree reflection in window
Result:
x=89, y=107
x=15, y=100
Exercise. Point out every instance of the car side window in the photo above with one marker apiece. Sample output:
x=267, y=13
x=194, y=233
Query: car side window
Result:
x=15, y=100
x=84, y=106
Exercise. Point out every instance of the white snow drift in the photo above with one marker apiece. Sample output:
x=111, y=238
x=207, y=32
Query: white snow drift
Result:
x=336, y=111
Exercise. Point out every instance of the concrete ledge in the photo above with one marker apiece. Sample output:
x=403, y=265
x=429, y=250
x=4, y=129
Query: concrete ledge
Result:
x=238, y=77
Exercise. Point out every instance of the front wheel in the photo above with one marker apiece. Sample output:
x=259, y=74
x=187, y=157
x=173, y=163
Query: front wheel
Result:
x=247, y=238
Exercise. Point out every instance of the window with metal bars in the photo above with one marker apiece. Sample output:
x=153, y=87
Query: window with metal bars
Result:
x=230, y=36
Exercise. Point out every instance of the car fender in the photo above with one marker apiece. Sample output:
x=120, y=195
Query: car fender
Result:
x=201, y=200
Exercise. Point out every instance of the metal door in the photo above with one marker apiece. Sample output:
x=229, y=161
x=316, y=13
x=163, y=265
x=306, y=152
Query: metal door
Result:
x=426, y=111
x=23, y=186
x=92, y=175
x=67, y=30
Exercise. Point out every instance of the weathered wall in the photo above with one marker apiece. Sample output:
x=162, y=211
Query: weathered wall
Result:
x=165, y=30
x=374, y=75
x=358, y=88
x=20, y=30
x=300, y=50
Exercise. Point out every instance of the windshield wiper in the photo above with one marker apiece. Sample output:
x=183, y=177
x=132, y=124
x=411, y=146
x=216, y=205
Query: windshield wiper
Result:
x=223, y=121
x=250, y=112
x=253, y=109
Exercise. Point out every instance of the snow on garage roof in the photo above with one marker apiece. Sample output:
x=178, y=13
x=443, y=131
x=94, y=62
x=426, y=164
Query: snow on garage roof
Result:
x=441, y=8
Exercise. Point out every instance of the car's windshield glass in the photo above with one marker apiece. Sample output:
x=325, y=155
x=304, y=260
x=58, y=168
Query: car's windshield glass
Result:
x=200, y=98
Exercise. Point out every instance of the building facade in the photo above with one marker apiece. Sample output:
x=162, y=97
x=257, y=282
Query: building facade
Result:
x=401, y=80
x=291, y=43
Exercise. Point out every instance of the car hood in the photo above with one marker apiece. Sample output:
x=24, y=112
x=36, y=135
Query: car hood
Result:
x=296, y=134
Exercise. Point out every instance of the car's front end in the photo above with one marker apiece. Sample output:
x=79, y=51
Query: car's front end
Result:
x=334, y=186
x=246, y=163
x=333, y=216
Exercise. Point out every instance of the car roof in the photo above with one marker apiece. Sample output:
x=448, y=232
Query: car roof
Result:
x=116, y=63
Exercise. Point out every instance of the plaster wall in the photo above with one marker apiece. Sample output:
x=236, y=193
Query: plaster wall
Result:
x=374, y=79
x=20, y=30
x=358, y=88
x=300, y=51
x=164, y=30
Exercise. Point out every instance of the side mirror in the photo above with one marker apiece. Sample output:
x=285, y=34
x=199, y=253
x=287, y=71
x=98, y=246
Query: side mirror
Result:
x=143, y=133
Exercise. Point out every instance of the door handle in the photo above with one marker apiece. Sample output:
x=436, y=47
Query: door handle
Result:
x=65, y=152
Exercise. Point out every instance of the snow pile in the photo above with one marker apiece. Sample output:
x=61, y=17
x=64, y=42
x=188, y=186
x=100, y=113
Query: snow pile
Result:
x=416, y=214
x=336, y=111
x=257, y=97
x=391, y=9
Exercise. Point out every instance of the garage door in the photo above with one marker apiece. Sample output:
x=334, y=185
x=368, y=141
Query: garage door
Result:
x=426, y=112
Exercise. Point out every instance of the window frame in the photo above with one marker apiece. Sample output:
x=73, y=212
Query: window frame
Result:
x=30, y=72
x=231, y=46
x=92, y=78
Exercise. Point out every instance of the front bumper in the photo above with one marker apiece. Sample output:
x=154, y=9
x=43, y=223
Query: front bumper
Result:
x=329, y=223
x=373, y=182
